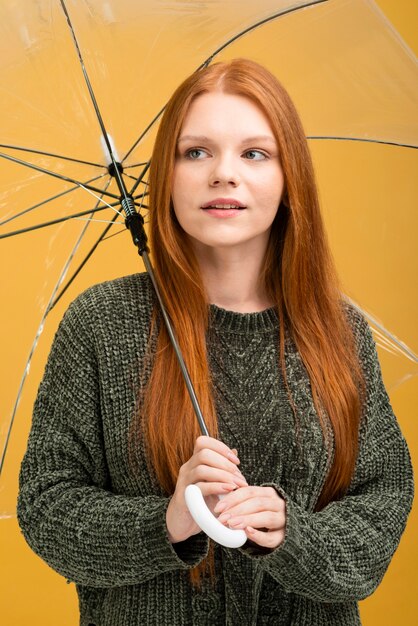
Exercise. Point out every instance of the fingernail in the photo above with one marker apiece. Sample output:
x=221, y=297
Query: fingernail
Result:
x=234, y=521
x=233, y=457
x=224, y=517
x=241, y=482
x=228, y=487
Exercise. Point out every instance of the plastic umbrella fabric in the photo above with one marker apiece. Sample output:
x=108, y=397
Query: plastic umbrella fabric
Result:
x=349, y=73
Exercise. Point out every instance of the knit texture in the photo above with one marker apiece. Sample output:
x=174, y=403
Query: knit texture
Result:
x=100, y=522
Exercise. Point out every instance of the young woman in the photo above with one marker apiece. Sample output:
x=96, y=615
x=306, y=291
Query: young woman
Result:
x=304, y=444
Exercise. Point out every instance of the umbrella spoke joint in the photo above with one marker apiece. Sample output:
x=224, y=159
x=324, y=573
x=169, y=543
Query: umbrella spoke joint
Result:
x=113, y=167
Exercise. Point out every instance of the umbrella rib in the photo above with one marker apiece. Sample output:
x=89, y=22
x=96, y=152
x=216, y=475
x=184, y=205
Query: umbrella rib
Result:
x=365, y=140
x=397, y=344
x=126, y=167
x=91, y=219
x=139, y=179
x=129, y=175
x=8, y=157
x=141, y=195
x=48, y=308
x=119, y=232
x=142, y=135
x=70, y=217
x=117, y=174
x=36, y=206
x=111, y=206
x=256, y=25
x=57, y=221
x=51, y=154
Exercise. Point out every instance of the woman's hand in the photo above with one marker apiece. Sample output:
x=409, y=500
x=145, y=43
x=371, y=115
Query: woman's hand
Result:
x=253, y=509
x=213, y=467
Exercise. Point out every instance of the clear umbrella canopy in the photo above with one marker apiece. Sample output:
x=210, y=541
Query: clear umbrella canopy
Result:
x=350, y=75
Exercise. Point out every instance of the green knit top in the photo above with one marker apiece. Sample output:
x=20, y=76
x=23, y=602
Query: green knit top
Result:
x=99, y=519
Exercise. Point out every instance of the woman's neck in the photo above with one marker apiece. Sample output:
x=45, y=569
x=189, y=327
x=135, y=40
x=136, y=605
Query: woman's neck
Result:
x=232, y=279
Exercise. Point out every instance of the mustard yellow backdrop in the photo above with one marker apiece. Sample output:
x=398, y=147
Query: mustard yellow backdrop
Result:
x=368, y=194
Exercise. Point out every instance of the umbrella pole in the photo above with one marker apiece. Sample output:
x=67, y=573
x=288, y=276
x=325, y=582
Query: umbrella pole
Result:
x=176, y=347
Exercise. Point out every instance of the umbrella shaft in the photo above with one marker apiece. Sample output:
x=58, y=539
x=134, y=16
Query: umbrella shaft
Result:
x=176, y=347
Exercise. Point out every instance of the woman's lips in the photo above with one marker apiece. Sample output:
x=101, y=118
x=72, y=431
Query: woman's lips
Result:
x=223, y=207
x=223, y=203
x=223, y=213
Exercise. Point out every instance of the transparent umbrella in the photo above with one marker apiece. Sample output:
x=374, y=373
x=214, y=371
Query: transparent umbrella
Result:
x=66, y=144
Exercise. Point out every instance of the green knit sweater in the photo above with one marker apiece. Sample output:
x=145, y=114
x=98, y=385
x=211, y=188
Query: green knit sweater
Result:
x=101, y=524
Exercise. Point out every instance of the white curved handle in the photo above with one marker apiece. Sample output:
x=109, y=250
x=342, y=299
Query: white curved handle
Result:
x=208, y=522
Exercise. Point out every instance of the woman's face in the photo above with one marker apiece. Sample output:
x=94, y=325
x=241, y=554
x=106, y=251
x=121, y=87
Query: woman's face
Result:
x=228, y=180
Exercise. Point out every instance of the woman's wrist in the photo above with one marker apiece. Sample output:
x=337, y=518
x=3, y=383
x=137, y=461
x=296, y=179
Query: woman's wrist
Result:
x=172, y=524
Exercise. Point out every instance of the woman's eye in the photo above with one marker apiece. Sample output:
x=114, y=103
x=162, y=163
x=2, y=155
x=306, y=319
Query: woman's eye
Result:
x=195, y=153
x=255, y=155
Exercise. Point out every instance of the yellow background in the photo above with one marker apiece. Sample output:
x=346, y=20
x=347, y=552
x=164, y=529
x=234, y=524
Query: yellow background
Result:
x=379, y=181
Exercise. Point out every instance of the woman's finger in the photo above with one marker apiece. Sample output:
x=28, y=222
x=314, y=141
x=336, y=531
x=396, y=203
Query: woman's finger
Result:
x=204, y=473
x=215, y=489
x=271, y=539
x=245, y=495
x=212, y=458
x=254, y=505
x=272, y=520
x=221, y=448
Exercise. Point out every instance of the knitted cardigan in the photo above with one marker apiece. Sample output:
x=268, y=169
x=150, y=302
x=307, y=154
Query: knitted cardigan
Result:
x=100, y=523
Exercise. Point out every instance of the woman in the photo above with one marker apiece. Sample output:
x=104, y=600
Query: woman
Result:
x=285, y=371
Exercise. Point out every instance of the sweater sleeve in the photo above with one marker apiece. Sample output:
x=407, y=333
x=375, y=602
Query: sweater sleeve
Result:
x=342, y=552
x=66, y=508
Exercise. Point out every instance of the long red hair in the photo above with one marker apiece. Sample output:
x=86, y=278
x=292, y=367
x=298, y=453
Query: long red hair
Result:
x=298, y=275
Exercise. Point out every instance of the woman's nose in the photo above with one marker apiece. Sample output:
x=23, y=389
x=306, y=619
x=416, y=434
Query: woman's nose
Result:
x=224, y=173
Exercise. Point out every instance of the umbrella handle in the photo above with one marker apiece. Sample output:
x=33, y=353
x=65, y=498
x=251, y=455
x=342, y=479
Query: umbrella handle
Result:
x=208, y=522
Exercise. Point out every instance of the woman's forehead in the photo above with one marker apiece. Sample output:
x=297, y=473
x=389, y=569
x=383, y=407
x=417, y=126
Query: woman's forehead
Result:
x=217, y=113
